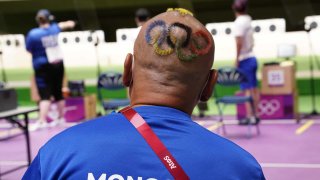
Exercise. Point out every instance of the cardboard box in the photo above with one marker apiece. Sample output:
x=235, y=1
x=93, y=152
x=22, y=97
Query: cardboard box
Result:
x=278, y=79
x=8, y=99
x=280, y=106
x=90, y=104
x=74, y=109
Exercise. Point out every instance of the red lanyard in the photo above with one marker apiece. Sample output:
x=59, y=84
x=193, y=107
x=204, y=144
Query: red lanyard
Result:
x=155, y=143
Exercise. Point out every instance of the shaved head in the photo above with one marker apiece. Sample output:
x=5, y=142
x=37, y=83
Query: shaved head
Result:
x=173, y=55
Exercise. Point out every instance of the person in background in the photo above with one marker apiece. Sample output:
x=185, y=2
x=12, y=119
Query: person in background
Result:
x=142, y=16
x=245, y=59
x=47, y=60
x=154, y=138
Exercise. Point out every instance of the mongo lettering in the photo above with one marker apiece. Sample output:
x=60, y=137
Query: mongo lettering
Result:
x=116, y=177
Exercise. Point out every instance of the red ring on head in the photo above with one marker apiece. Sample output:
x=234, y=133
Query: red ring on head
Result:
x=195, y=49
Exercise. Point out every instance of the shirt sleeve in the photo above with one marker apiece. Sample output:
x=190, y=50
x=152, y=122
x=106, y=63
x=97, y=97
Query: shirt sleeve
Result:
x=34, y=170
x=239, y=28
x=56, y=27
x=29, y=42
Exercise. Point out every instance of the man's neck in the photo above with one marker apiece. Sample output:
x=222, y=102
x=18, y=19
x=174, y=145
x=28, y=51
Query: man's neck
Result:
x=240, y=14
x=150, y=98
x=46, y=25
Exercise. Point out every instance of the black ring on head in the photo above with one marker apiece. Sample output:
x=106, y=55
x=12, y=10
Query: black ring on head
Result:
x=185, y=28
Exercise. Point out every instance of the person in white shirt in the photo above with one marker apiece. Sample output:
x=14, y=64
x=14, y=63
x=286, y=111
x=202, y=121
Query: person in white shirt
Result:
x=245, y=59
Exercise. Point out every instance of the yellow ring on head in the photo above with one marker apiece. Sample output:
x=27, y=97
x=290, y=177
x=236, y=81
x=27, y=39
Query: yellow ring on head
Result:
x=182, y=11
x=155, y=39
x=162, y=52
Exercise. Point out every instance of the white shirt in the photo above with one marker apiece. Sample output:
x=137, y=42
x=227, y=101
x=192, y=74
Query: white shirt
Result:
x=243, y=28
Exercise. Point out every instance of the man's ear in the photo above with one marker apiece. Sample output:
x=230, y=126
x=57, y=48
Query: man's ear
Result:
x=208, y=89
x=127, y=72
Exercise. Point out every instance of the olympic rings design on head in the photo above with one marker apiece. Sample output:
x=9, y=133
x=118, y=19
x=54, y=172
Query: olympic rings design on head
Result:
x=269, y=107
x=173, y=43
x=170, y=37
x=196, y=48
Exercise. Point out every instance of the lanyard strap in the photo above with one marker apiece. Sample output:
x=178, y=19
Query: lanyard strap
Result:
x=155, y=143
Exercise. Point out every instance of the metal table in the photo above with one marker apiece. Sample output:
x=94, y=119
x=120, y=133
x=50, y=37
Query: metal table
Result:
x=11, y=116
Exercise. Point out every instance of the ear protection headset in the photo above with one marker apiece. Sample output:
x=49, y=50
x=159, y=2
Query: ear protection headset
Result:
x=44, y=13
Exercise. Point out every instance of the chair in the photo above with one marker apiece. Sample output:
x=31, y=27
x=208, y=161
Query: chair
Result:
x=2, y=85
x=228, y=77
x=77, y=88
x=110, y=81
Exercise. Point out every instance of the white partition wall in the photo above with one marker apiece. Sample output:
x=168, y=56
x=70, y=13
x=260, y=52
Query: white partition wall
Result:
x=14, y=54
x=114, y=53
x=267, y=36
x=225, y=47
x=78, y=47
x=127, y=34
x=220, y=29
x=269, y=26
x=125, y=41
x=312, y=22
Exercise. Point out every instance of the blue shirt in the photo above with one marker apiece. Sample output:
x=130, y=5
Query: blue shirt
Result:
x=111, y=148
x=38, y=39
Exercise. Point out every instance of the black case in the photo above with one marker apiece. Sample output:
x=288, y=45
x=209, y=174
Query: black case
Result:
x=8, y=99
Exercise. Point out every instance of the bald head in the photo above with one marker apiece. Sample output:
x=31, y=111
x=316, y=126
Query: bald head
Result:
x=173, y=55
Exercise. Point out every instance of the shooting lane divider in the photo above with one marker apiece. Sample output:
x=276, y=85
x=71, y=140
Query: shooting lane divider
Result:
x=304, y=127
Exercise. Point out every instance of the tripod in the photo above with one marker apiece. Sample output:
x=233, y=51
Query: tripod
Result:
x=312, y=58
x=96, y=42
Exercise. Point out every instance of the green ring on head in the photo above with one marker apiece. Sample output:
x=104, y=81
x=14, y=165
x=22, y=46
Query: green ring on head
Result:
x=182, y=56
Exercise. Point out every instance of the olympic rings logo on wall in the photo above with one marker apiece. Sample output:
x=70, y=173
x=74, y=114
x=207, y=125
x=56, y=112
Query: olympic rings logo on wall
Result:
x=165, y=41
x=268, y=107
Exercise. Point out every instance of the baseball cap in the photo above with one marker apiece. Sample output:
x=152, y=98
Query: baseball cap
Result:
x=142, y=14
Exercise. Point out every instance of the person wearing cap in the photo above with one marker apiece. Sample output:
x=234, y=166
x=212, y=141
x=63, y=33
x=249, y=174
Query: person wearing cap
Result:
x=154, y=138
x=142, y=16
x=47, y=60
x=245, y=58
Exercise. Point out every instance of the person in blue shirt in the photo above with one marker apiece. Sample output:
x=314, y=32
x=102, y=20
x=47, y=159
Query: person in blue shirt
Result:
x=169, y=72
x=47, y=60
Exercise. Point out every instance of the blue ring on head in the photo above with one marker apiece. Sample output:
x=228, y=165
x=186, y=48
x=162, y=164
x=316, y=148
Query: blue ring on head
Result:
x=163, y=35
